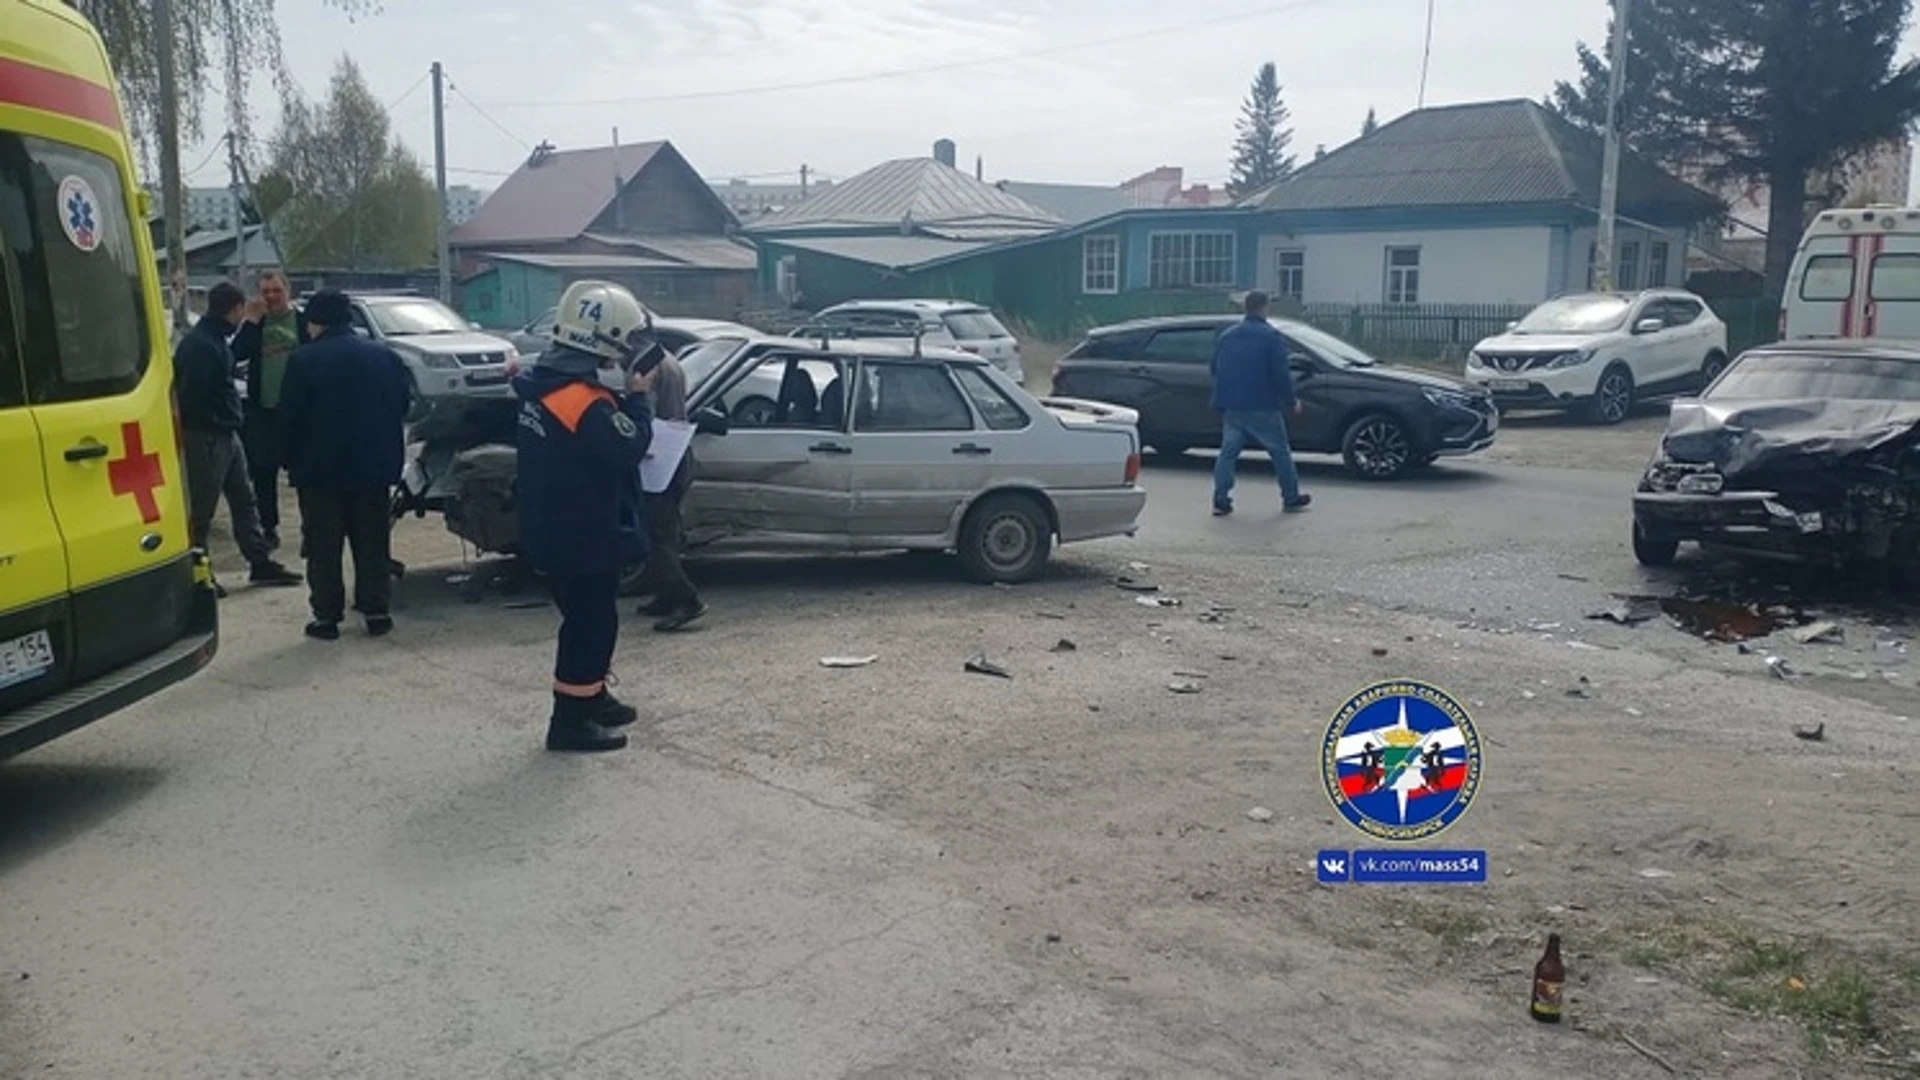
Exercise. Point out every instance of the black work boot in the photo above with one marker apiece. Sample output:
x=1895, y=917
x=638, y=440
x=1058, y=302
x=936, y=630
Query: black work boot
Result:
x=268, y=572
x=682, y=615
x=572, y=728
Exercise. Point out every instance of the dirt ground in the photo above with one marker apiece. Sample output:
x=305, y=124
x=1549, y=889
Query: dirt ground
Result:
x=1735, y=901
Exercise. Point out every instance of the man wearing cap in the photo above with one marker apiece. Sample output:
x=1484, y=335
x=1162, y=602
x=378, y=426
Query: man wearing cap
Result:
x=343, y=409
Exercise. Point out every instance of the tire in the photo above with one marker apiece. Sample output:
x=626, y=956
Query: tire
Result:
x=755, y=411
x=1653, y=549
x=1006, y=538
x=1710, y=369
x=1378, y=447
x=1168, y=448
x=1612, y=397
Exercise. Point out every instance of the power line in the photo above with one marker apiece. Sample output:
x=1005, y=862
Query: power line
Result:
x=408, y=92
x=954, y=65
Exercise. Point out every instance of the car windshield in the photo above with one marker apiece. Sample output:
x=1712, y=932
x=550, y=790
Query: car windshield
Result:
x=1329, y=348
x=974, y=325
x=1577, y=315
x=1791, y=376
x=702, y=358
x=405, y=318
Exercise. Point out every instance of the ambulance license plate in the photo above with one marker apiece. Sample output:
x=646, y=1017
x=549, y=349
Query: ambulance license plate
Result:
x=25, y=658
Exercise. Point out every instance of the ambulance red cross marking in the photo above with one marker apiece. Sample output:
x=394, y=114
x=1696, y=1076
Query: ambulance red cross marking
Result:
x=137, y=474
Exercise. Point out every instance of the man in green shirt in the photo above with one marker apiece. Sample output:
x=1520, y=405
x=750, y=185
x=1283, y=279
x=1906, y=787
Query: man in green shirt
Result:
x=272, y=330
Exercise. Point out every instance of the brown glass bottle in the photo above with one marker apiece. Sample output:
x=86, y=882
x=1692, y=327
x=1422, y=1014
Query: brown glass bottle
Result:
x=1549, y=984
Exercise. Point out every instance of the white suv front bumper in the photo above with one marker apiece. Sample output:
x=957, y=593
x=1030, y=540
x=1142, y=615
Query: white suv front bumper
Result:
x=1536, y=385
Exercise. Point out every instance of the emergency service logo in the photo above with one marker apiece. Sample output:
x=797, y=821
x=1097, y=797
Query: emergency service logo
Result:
x=79, y=213
x=1401, y=760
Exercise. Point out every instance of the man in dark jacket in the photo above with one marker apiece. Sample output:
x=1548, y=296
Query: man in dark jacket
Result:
x=1253, y=392
x=343, y=408
x=578, y=494
x=267, y=338
x=210, y=421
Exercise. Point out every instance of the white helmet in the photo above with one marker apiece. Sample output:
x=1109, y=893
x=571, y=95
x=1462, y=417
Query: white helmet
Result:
x=597, y=317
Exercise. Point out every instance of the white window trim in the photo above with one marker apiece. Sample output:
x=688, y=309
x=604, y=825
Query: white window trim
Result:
x=1086, y=266
x=1279, y=288
x=1233, y=257
x=1386, y=274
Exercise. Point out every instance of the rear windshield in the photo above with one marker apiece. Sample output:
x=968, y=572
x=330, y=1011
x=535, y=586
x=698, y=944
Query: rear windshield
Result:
x=974, y=325
x=1778, y=377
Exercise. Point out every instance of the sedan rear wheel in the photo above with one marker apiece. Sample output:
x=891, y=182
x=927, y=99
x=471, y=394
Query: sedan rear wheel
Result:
x=1006, y=538
x=1378, y=448
x=755, y=411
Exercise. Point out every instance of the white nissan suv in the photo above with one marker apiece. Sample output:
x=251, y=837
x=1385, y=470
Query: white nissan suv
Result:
x=1602, y=352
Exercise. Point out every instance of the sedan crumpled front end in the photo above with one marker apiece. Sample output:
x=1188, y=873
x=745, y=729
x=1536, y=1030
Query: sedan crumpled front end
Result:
x=1828, y=481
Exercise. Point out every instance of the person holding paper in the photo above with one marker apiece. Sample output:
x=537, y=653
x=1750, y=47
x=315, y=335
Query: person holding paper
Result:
x=676, y=602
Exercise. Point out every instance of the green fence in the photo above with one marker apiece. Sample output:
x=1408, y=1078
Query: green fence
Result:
x=1413, y=332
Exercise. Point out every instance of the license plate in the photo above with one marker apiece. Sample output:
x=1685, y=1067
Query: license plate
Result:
x=1702, y=484
x=1508, y=384
x=25, y=658
x=487, y=380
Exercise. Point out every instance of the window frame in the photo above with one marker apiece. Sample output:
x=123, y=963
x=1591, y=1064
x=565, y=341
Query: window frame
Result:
x=1853, y=274
x=1394, y=290
x=959, y=373
x=1146, y=355
x=1659, y=254
x=1626, y=272
x=868, y=366
x=42, y=351
x=1087, y=264
x=1281, y=270
x=1873, y=277
x=1160, y=265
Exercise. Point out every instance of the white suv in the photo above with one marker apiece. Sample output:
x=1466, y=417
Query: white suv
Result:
x=1602, y=352
x=952, y=324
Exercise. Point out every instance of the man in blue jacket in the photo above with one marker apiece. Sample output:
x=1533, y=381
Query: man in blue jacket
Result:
x=342, y=417
x=1253, y=393
x=584, y=427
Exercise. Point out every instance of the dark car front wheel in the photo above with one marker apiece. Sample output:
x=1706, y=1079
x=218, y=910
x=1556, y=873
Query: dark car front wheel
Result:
x=1378, y=447
x=1006, y=538
x=1653, y=548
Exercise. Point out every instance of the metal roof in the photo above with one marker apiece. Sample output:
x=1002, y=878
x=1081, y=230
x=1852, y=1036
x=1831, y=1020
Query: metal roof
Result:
x=1072, y=203
x=555, y=199
x=1484, y=154
x=912, y=192
x=891, y=252
x=697, y=251
x=585, y=262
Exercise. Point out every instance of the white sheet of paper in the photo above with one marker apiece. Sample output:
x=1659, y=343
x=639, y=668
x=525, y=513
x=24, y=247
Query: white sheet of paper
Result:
x=670, y=441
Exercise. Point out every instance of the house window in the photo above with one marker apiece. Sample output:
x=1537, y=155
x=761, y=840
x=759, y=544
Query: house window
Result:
x=1657, y=255
x=1100, y=264
x=1290, y=275
x=1628, y=276
x=1403, y=275
x=787, y=277
x=1190, y=260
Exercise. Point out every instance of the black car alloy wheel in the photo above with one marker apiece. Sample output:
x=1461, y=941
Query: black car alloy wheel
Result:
x=1613, y=398
x=1377, y=447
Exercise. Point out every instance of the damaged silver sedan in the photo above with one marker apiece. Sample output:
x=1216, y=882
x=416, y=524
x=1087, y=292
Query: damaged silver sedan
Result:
x=1804, y=450
x=875, y=446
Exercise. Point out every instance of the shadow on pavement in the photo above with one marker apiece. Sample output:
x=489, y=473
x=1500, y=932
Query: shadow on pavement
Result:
x=45, y=805
x=1447, y=472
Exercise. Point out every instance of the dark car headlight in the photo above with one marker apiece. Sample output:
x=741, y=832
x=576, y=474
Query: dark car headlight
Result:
x=1448, y=399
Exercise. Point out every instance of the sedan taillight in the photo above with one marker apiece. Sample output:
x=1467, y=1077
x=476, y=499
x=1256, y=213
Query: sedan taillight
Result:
x=1133, y=468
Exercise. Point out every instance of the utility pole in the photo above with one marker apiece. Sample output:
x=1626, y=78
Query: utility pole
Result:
x=440, y=182
x=1610, y=169
x=170, y=191
x=619, y=204
x=239, y=210
x=803, y=181
x=1426, y=58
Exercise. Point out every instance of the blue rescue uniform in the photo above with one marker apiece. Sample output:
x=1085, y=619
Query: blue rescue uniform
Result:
x=578, y=493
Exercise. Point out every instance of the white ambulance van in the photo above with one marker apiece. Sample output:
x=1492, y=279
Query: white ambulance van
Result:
x=1856, y=275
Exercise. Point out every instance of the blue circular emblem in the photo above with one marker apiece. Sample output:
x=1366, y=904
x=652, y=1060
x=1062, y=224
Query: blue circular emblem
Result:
x=1401, y=760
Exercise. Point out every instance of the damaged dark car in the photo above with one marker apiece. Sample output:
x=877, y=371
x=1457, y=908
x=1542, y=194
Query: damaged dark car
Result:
x=1804, y=450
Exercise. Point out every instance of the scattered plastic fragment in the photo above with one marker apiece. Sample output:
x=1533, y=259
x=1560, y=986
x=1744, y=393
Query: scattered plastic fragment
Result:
x=846, y=661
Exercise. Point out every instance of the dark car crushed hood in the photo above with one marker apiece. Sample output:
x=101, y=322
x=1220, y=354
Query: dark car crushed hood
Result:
x=1755, y=438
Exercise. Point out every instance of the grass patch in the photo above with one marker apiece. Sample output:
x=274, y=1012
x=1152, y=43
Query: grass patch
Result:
x=1844, y=1001
x=1453, y=928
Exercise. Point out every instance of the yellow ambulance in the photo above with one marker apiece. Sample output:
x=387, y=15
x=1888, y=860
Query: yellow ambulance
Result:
x=102, y=601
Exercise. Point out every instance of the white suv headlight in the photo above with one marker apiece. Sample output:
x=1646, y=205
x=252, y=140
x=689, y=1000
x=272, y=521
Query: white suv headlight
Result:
x=1569, y=359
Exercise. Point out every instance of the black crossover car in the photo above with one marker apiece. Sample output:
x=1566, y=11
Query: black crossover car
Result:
x=1805, y=450
x=1383, y=420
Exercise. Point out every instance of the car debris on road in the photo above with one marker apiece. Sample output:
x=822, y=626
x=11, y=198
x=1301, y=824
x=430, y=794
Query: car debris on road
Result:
x=980, y=665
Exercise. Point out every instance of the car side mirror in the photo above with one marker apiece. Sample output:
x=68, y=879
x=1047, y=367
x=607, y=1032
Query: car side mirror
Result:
x=710, y=421
x=1649, y=326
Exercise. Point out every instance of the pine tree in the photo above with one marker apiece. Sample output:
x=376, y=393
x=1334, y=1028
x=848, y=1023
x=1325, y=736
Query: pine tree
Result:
x=1260, y=157
x=1371, y=125
x=1770, y=91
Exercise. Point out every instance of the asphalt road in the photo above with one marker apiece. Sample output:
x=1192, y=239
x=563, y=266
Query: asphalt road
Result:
x=1460, y=539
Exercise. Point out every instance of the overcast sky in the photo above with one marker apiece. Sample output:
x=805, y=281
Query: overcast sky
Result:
x=1081, y=91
